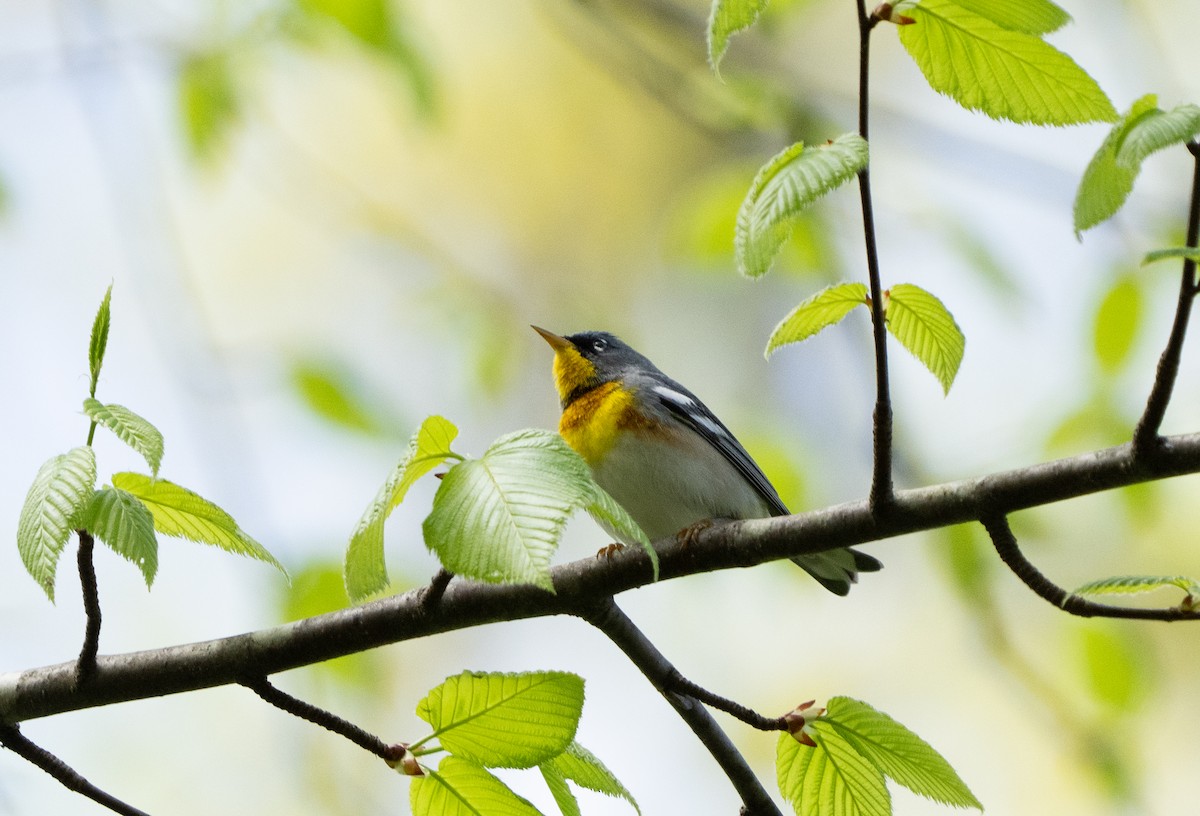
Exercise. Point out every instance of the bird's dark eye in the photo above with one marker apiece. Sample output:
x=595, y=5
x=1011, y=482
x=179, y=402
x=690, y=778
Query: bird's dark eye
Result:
x=599, y=344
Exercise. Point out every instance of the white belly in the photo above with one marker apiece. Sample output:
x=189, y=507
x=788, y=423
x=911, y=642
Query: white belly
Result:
x=665, y=492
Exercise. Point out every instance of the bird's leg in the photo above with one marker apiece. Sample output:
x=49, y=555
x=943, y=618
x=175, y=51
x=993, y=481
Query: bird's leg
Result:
x=688, y=534
x=609, y=551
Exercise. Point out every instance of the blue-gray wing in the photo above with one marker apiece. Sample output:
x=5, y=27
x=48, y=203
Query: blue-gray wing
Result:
x=836, y=570
x=688, y=409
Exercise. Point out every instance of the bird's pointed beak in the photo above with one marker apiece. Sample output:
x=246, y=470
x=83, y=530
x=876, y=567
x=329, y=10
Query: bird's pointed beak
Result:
x=557, y=342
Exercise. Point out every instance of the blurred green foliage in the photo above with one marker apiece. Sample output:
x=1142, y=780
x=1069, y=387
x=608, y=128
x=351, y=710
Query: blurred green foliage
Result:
x=379, y=25
x=317, y=588
x=968, y=560
x=208, y=101
x=1117, y=668
x=701, y=228
x=1117, y=324
x=329, y=392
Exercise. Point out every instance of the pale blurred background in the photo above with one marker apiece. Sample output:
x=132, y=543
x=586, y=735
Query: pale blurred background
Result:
x=325, y=220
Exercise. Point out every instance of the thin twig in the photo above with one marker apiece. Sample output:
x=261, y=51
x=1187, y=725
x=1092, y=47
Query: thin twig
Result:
x=677, y=682
x=1010, y=553
x=1146, y=441
x=12, y=739
x=85, y=668
x=261, y=686
x=432, y=594
x=617, y=626
x=881, y=474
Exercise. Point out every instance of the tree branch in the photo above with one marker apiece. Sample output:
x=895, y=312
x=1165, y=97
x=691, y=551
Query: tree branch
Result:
x=86, y=665
x=432, y=594
x=616, y=625
x=1009, y=552
x=677, y=682
x=12, y=739
x=138, y=675
x=1145, y=437
x=881, y=474
x=391, y=754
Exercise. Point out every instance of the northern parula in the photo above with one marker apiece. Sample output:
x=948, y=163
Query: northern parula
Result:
x=662, y=454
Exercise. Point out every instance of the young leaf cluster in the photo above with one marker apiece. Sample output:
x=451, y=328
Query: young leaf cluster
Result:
x=855, y=749
x=786, y=185
x=497, y=518
x=920, y=321
x=1144, y=129
x=782, y=189
x=126, y=515
x=492, y=720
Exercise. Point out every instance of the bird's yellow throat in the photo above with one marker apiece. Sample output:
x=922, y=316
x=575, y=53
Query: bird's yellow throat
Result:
x=593, y=413
x=572, y=372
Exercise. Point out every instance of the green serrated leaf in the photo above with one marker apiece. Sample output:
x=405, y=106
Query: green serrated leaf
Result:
x=1102, y=191
x=1003, y=73
x=99, y=340
x=1172, y=253
x=610, y=515
x=1117, y=323
x=208, y=101
x=179, y=512
x=784, y=186
x=564, y=797
x=121, y=521
x=462, y=788
x=1135, y=584
x=498, y=519
x=926, y=328
x=897, y=752
x=1157, y=130
x=831, y=779
x=818, y=312
x=505, y=720
x=366, y=569
x=579, y=765
x=1030, y=16
x=53, y=508
x=1110, y=174
x=1106, y=183
x=727, y=18
x=130, y=428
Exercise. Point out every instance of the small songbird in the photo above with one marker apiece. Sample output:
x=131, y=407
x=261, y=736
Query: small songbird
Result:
x=662, y=454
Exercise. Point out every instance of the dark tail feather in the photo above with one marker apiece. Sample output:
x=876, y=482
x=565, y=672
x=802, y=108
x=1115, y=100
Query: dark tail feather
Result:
x=837, y=570
x=866, y=563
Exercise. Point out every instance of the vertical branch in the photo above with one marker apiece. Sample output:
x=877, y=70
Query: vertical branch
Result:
x=1146, y=440
x=91, y=607
x=881, y=475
